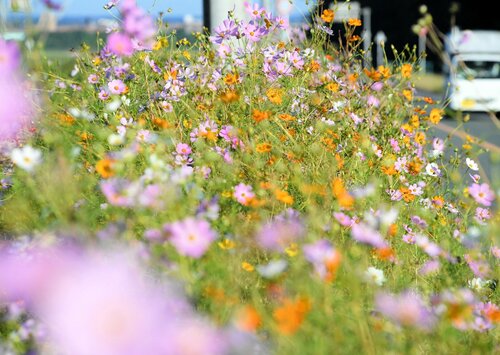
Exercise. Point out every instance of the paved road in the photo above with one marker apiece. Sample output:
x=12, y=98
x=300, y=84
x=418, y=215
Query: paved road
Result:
x=483, y=127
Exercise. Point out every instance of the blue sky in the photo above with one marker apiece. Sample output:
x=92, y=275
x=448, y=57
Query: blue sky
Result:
x=179, y=7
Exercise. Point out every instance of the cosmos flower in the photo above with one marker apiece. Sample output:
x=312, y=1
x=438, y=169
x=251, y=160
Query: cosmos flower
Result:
x=482, y=193
x=117, y=87
x=120, y=44
x=323, y=256
x=279, y=233
x=243, y=193
x=374, y=276
x=365, y=234
x=191, y=237
x=103, y=303
x=406, y=309
x=27, y=157
x=471, y=164
x=432, y=169
x=10, y=57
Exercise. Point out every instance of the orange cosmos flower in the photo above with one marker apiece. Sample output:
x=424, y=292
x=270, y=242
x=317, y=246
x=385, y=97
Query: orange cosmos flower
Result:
x=408, y=94
x=263, y=148
x=260, y=115
x=286, y=117
x=328, y=15
x=275, y=96
x=105, y=168
x=373, y=74
x=229, y=96
x=291, y=314
x=406, y=70
x=356, y=22
x=231, y=79
x=436, y=115
x=248, y=319
x=283, y=196
x=407, y=195
x=384, y=71
x=333, y=87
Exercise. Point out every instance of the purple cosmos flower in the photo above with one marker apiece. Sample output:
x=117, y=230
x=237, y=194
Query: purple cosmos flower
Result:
x=406, y=309
x=191, y=237
x=482, y=193
x=365, y=234
x=419, y=221
x=225, y=30
x=279, y=233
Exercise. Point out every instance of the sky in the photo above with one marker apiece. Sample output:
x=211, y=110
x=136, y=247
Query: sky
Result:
x=179, y=7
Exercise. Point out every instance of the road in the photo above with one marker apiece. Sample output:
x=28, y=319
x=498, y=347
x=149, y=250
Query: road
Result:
x=484, y=128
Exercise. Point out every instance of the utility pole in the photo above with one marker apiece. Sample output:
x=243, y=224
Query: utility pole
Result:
x=215, y=11
x=380, y=39
x=367, y=34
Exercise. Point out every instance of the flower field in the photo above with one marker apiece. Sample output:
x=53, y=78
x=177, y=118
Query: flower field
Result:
x=257, y=191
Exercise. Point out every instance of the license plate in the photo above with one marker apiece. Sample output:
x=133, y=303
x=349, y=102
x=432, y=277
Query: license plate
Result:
x=468, y=103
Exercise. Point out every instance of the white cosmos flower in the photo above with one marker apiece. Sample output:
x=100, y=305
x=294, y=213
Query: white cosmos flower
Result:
x=471, y=164
x=432, y=169
x=374, y=276
x=26, y=158
x=477, y=284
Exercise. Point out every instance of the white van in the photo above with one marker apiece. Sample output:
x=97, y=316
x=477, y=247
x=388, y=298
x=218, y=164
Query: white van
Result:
x=473, y=80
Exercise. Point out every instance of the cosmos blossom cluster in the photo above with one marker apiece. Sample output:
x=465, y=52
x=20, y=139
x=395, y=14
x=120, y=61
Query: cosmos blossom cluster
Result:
x=275, y=191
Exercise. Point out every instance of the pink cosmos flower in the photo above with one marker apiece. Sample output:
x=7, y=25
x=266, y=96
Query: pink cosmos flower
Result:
x=252, y=32
x=117, y=192
x=183, y=149
x=482, y=193
x=279, y=233
x=482, y=214
x=120, y=44
x=10, y=57
x=365, y=234
x=191, y=237
x=117, y=87
x=243, y=193
x=16, y=109
x=343, y=219
x=323, y=256
x=103, y=303
x=430, y=248
x=255, y=11
x=406, y=309
x=430, y=267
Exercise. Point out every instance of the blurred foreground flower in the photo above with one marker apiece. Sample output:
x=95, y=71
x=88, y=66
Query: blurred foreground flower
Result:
x=103, y=303
x=15, y=106
x=406, y=309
